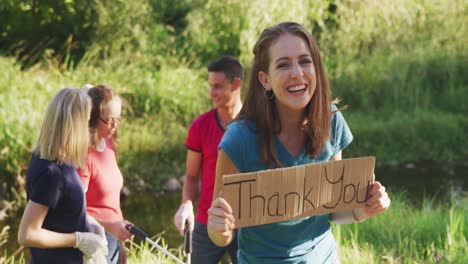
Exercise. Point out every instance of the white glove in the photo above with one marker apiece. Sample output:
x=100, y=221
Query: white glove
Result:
x=89, y=243
x=95, y=227
x=97, y=258
x=185, y=213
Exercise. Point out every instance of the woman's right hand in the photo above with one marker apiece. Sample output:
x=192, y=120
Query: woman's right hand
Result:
x=119, y=230
x=220, y=222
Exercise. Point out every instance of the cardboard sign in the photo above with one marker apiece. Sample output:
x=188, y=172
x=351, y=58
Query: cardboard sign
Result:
x=287, y=193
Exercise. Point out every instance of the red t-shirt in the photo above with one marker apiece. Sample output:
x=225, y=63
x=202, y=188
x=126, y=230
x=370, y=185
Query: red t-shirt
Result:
x=102, y=179
x=204, y=136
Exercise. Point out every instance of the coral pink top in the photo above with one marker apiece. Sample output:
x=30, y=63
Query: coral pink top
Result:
x=102, y=182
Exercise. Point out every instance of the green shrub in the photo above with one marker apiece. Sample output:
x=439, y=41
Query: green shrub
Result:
x=399, y=65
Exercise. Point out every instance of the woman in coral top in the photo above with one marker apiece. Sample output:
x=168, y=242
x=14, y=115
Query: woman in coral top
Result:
x=101, y=177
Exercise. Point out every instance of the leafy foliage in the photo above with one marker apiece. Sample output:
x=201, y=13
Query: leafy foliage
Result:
x=32, y=29
x=398, y=64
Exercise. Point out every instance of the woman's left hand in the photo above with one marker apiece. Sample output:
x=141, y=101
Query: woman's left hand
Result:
x=378, y=201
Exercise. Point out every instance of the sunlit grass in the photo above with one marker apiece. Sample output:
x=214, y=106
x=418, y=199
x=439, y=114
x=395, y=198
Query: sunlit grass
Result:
x=398, y=64
x=383, y=59
x=144, y=252
x=9, y=258
x=428, y=233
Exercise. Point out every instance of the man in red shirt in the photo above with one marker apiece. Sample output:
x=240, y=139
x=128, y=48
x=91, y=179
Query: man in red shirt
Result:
x=225, y=77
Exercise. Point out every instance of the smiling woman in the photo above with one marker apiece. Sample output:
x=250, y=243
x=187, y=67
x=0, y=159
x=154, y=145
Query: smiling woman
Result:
x=101, y=175
x=291, y=77
x=105, y=115
x=297, y=125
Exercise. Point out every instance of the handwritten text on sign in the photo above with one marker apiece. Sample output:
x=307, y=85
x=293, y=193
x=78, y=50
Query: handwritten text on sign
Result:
x=283, y=194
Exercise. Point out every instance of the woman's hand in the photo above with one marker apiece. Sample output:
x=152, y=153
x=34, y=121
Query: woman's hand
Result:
x=220, y=222
x=378, y=201
x=119, y=231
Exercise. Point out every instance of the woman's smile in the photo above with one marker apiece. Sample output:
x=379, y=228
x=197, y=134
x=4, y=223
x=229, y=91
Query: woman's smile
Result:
x=297, y=89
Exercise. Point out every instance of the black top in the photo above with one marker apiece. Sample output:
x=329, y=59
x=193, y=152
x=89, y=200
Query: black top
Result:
x=58, y=187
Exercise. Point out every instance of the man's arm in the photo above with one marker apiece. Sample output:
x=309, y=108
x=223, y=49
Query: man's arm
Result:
x=193, y=172
x=189, y=192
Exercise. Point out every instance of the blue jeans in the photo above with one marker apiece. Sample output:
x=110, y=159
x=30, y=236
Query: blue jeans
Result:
x=204, y=251
x=113, y=246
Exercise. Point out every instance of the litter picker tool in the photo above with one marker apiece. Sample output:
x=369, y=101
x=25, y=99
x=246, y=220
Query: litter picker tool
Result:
x=188, y=242
x=142, y=235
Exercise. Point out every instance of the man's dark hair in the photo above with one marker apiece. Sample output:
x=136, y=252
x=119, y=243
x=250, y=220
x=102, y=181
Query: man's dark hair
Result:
x=228, y=65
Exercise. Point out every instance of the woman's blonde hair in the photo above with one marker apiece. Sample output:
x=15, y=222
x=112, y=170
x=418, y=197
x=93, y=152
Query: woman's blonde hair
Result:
x=64, y=134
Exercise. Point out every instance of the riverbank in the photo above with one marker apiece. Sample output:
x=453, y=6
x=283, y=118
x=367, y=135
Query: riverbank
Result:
x=431, y=232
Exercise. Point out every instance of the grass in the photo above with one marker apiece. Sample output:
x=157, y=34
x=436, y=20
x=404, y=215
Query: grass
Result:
x=10, y=258
x=398, y=64
x=146, y=253
x=432, y=232
x=402, y=136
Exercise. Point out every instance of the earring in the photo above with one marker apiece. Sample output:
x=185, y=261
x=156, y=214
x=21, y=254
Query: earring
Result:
x=268, y=94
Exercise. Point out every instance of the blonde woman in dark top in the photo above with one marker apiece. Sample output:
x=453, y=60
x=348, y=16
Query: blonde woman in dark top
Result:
x=54, y=224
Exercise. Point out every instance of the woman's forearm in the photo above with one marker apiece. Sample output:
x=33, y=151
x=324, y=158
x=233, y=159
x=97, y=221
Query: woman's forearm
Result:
x=31, y=233
x=348, y=216
x=43, y=238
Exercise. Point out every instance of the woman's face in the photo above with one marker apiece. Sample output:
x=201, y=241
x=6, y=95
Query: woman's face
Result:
x=291, y=73
x=110, y=118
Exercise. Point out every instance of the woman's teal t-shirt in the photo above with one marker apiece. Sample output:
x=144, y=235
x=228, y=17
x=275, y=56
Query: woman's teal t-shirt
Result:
x=305, y=240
